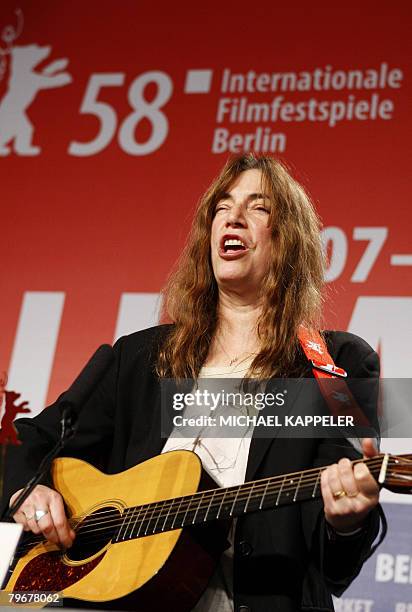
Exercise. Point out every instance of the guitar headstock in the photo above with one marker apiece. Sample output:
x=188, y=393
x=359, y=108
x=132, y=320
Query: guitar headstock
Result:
x=398, y=476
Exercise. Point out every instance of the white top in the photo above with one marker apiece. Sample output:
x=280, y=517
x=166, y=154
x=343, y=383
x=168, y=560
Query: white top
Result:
x=225, y=459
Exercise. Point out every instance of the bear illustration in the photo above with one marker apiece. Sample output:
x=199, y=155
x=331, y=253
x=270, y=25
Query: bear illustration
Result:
x=8, y=433
x=16, y=129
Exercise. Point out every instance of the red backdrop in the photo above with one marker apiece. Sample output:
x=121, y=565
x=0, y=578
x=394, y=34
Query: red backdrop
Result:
x=113, y=221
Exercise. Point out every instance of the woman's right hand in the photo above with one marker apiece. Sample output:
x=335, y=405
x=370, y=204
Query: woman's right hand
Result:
x=53, y=524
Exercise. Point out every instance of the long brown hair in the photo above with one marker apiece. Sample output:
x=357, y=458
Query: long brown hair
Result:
x=291, y=293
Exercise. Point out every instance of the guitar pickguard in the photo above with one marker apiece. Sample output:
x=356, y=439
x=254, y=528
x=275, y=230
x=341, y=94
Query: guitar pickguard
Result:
x=48, y=572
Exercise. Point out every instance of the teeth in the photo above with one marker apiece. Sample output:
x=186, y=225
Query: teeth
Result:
x=234, y=242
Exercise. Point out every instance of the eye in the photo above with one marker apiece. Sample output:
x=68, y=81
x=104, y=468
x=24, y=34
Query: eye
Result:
x=261, y=207
x=221, y=206
x=260, y=203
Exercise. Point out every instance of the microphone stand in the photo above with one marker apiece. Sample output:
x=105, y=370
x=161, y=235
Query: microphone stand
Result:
x=68, y=428
x=70, y=405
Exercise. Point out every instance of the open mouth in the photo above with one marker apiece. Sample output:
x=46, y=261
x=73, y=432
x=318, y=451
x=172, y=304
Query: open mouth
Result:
x=233, y=245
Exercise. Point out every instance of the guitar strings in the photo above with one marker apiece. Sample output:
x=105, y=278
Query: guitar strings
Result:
x=202, y=496
x=106, y=535
x=119, y=518
x=103, y=533
x=216, y=498
x=182, y=504
x=246, y=487
x=110, y=524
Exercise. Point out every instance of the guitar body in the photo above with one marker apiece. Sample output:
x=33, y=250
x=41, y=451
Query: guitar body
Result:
x=144, y=573
x=130, y=551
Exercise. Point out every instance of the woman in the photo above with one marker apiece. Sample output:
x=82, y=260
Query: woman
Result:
x=250, y=276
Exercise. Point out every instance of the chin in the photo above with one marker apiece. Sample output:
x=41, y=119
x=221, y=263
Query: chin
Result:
x=233, y=278
x=233, y=274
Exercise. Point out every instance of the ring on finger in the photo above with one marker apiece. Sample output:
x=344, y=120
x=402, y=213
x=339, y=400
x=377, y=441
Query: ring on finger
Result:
x=339, y=494
x=28, y=518
x=39, y=514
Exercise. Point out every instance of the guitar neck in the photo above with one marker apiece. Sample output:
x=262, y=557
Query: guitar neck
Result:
x=227, y=503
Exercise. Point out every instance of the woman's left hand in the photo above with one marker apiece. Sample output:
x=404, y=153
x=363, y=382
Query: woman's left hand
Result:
x=349, y=492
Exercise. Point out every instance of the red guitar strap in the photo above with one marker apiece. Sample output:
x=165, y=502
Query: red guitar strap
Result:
x=337, y=395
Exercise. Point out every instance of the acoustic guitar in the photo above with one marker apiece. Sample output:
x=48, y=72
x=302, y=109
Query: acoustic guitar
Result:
x=149, y=538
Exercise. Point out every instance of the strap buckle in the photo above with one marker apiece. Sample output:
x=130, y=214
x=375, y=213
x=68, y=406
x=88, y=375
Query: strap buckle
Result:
x=330, y=368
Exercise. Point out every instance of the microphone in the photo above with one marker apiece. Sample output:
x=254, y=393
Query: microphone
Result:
x=73, y=400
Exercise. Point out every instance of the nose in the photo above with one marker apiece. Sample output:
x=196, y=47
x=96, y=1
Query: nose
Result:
x=236, y=217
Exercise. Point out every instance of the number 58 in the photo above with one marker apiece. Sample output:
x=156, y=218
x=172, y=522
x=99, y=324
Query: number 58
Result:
x=141, y=108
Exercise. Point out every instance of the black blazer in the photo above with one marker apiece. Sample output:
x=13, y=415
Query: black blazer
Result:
x=284, y=560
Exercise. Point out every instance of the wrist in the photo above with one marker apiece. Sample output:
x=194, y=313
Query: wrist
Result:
x=347, y=524
x=334, y=534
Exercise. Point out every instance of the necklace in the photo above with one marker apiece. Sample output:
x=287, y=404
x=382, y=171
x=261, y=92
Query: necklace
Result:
x=233, y=360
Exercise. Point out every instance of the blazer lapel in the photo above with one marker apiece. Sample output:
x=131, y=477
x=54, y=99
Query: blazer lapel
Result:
x=260, y=445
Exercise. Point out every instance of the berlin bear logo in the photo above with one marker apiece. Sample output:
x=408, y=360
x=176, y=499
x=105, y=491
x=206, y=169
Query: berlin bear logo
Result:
x=8, y=433
x=16, y=129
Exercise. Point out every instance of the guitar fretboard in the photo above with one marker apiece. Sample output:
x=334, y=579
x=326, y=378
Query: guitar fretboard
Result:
x=109, y=524
x=218, y=504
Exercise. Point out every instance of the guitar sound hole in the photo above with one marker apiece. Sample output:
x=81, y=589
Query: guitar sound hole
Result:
x=94, y=533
